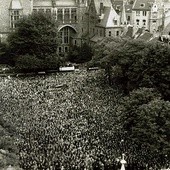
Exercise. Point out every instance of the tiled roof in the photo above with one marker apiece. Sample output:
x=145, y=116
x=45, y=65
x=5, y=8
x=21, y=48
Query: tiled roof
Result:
x=96, y=38
x=106, y=13
x=142, y=5
x=106, y=3
x=146, y=36
x=15, y=4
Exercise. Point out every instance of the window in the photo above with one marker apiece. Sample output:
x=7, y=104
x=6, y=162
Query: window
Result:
x=64, y=36
x=34, y=10
x=128, y=18
x=41, y=10
x=55, y=14
x=144, y=22
x=118, y=7
x=15, y=15
x=66, y=49
x=117, y=33
x=110, y=33
x=137, y=22
x=101, y=33
x=66, y=14
x=74, y=15
x=142, y=5
x=60, y=49
x=60, y=15
x=137, y=13
x=144, y=13
x=48, y=11
x=115, y=22
x=75, y=42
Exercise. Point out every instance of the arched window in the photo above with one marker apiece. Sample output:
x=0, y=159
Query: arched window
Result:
x=65, y=34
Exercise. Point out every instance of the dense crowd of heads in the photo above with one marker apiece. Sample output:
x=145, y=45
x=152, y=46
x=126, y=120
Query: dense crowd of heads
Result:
x=62, y=121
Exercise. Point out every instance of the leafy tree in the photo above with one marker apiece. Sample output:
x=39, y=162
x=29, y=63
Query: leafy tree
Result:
x=35, y=34
x=80, y=54
x=74, y=54
x=4, y=58
x=135, y=63
x=27, y=63
x=35, y=38
x=143, y=120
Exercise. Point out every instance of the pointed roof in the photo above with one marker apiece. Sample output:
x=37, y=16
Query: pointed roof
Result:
x=106, y=3
x=108, y=17
x=15, y=4
x=123, y=15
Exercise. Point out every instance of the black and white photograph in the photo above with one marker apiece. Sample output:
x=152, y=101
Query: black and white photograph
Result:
x=84, y=84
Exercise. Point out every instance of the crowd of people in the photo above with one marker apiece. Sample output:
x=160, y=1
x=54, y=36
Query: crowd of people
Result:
x=62, y=121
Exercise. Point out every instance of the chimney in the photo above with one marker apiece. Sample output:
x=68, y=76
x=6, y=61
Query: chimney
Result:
x=101, y=8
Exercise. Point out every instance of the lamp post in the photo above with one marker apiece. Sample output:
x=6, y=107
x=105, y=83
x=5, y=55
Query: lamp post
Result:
x=123, y=162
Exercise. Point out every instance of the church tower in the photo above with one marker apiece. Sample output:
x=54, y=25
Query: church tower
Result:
x=157, y=16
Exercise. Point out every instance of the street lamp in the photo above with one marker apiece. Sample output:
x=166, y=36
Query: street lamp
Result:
x=123, y=162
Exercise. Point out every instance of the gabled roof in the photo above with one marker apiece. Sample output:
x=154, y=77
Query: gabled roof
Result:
x=15, y=4
x=106, y=3
x=108, y=17
x=144, y=5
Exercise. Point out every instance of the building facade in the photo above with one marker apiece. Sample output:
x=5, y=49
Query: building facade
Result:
x=85, y=20
x=69, y=15
x=10, y=12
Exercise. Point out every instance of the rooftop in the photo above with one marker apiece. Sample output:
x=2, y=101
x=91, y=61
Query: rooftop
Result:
x=106, y=3
x=15, y=4
x=143, y=5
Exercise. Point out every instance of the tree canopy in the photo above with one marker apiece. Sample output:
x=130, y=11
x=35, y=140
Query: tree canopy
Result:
x=80, y=54
x=35, y=34
x=135, y=63
x=34, y=41
x=143, y=120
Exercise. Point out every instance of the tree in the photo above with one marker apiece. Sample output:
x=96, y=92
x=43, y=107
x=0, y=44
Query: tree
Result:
x=4, y=57
x=35, y=35
x=135, y=63
x=143, y=120
x=80, y=54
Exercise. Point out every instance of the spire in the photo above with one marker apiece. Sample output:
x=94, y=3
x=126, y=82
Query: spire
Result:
x=123, y=14
x=15, y=4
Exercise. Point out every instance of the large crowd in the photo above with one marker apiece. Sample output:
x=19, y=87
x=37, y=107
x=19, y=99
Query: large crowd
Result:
x=62, y=121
